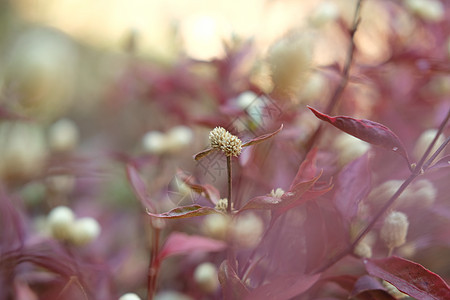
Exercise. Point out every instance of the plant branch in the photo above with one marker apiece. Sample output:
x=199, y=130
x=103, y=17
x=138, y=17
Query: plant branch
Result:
x=416, y=172
x=229, y=173
x=154, y=264
x=345, y=76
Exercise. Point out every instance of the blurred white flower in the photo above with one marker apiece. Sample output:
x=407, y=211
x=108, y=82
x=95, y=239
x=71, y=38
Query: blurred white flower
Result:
x=349, y=148
x=205, y=275
x=63, y=135
x=129, y=296
x=429, y=10
x=246, y=230
x=325, y=12
x=394, y=229
x=424, y=140
x=84, y=231
x=60, y=221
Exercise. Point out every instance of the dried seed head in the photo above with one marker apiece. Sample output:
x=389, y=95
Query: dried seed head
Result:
x=222, y=140
x=394, y=229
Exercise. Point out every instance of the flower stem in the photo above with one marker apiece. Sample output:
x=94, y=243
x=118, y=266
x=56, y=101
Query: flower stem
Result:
x=229, y=173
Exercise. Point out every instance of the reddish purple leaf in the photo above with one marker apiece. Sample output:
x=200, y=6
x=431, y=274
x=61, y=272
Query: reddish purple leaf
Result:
x=409, y=277
x=369, y=284
x=180, y=243
x=315, y=233
x=189, y=211
x=366, y=130
x=209, y=191
x=344, y=281
x=232, y=286
x=444, y=162
x=268, y=202
x=352, y=186
x=262, y=138
x=307, y=169
x=139, y=188
x=284, y=287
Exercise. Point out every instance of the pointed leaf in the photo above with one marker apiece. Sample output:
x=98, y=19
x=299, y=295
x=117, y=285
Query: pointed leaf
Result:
x=268, y=202
x=352, y=186
x=307, y=169
x=207, y=190
x=189, y=211
x=262, y=138
x=232, y=286
x=139, y=188
x=203, y=153
x=366, y=130
x=409, y=277
x=284, y=287
x=444, y=162
x=180, y=243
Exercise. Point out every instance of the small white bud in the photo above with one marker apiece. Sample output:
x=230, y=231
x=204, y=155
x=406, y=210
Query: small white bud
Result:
x=84, y=231
x=246, y=230
x=216, y=226
x=205, y=275
x=60, y=221
x=63, y=135
x=129, y=296
x=222, y=205
x=154, y=142
x=394, y=229
x=278, y=193
x=349, y=148
x=424, y=141
x=178, y=138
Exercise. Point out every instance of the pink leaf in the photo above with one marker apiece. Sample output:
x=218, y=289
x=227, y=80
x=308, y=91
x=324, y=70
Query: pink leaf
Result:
x=352, y=186
x=409, y=277
x=444, y=162
x=139, y=188
x=369, y=285
x=232, y=286
x=284, y=287
x=262, y=138
x=189, y=211
x=180, y=243
x=366, y=130
x=307, y=169
x=209, y=191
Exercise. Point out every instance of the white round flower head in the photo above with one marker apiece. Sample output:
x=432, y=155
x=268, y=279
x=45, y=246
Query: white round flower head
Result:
x=63, y=135
x=422, y=192
x=246, y=230
x=205, y=275
x=349, y=148
x=60, y=221
x=154, y=142
x=424, y=140
x=394, y=229
x=222, y=140
x=129, y=296
x=84, y=231
x=216, y=226
x=179, y=136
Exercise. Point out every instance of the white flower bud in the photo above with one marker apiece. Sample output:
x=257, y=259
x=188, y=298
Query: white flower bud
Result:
x=349, y=148
x=222, y=140
x=393, y=291
x=205, y=275
x=363, y=250
x=246, y=230
x=129, y=296
x=324, y=13
x=429, y=10
x=23, y=150
x=222, y=205
x=424, y=141
x=178, y=138
x=63, y=135
x=277, y=193
x=84, y=231
x=60, y=221
x=394, y=229
x=216, y=226
x=154, y=142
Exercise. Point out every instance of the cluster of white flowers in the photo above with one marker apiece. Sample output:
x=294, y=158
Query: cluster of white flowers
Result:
x=222, y=140
x=63, y=226
x=177, y=138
